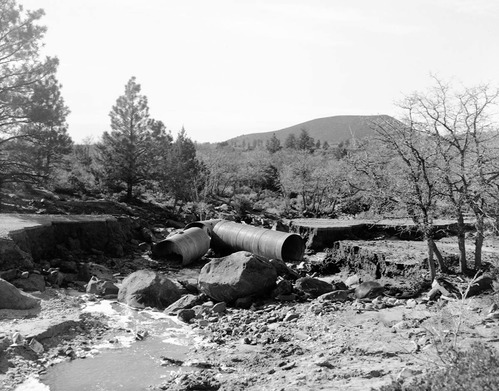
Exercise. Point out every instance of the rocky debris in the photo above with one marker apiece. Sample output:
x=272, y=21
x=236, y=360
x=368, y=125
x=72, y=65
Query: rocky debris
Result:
x=185, y=302
x=369, y=289
x=12, y=298
x=238, y=275
x=100, y=287
x=91, y=269
x=30, y=283
x=339, y=295
x=205, y=380
x=146, y=288
x=313, y=286
x=283, y=270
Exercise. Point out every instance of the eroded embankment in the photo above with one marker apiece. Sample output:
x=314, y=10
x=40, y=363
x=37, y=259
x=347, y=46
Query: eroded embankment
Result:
x=24, y=238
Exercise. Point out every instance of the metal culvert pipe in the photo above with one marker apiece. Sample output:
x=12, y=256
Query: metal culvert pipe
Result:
x=260, y=241
x=187, y=245
x=207, y=225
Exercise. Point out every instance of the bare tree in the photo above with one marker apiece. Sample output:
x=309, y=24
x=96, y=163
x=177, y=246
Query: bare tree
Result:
x=461, y=124
x=414, y=181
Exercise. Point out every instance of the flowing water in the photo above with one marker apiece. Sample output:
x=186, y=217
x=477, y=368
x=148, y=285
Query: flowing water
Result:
x=126, y=364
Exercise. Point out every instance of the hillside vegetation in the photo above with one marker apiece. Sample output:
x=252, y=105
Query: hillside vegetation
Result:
x=331, y=129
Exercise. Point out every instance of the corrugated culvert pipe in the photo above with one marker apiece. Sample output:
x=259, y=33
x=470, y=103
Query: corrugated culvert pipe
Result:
x=260, y=241
x=186, y=246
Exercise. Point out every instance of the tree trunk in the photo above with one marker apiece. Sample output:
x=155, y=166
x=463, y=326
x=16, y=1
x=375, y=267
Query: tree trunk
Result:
x=461, y=243
x=440, y=259
x=129, y=191
x=479, y=241
x=431, y=262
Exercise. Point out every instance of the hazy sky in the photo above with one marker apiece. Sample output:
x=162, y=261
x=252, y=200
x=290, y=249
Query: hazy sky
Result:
x=222, y=68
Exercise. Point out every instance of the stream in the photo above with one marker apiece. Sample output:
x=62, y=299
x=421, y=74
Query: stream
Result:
x=131, y=361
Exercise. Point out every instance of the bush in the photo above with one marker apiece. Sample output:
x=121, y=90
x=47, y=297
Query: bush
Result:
x=476, y=369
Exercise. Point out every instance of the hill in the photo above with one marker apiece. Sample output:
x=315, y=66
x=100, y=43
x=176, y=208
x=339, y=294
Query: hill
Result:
x=331, y=129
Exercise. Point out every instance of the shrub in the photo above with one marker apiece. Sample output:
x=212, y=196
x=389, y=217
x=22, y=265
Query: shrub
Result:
x=476, y=369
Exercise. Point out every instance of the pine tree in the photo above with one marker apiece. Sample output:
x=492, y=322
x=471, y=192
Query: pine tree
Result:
x=126, y=152
x=273, y=144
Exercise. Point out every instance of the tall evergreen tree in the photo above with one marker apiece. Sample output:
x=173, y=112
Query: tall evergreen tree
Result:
x=273, y=144
x=21, y=67
x=126, y=151
x=305, y=142
x=180, y=177
x=47, y=140
x=290, y=142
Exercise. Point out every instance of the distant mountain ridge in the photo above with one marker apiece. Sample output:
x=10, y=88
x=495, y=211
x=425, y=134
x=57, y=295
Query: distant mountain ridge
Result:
x=331, y=129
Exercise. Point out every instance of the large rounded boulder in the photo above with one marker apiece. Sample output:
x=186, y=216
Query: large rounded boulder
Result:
x=145, y=288
x=238, y=275
x=14, y=299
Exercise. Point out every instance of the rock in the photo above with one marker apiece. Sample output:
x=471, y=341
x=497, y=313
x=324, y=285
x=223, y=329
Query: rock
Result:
x=185, y=302
x=33, y=282
x=101, y=287
x=244, y=302
x=238, y=275
x=55, y=277
x=369, y=290
x=290, y=316
x=145, y=288
x=480, y=285
x=352, y=280
x=341, y=296
x=185, y=315
x=411, y=303
x=9, y=275
x=13, y=298
x=219, y=308
x=339, y=286
x=313, y=286
x=190, y=285
x=11, y=256
x=283, y=270
x=284, y=287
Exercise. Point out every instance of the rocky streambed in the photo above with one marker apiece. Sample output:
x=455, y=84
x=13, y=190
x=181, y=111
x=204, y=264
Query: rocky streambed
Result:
x=314, y=324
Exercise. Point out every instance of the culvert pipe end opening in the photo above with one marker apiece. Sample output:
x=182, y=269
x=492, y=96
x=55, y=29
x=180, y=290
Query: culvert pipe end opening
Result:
x=293, y=248
x=187, y=246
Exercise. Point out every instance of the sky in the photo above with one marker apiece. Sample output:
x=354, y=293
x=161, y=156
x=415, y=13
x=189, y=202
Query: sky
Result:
x=222, y=68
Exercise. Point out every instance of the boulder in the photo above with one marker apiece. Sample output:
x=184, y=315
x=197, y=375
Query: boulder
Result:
x=145, y=288
x=313, y=286
x=238, y=275
x=13, y=298
x=33, y=282
x=369, y=290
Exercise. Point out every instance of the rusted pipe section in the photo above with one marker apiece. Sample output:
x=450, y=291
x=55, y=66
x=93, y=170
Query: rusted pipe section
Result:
x=187, y=245
x=259, y=241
